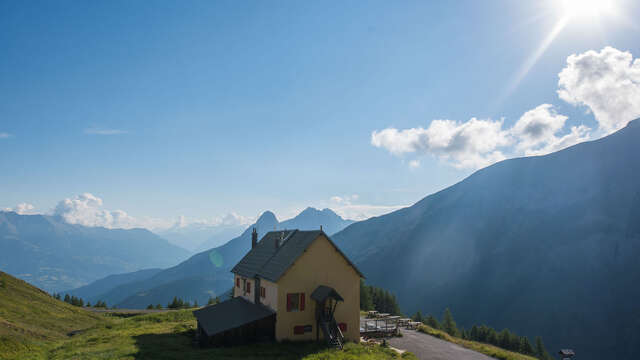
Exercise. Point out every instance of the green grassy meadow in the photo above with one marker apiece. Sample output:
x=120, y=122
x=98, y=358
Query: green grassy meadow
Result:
x=33, y=325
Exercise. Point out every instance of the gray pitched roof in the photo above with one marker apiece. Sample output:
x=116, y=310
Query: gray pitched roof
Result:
x=268, y=262
x=230, y=314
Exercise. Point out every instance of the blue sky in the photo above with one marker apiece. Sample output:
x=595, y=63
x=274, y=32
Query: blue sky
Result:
x=201, y=109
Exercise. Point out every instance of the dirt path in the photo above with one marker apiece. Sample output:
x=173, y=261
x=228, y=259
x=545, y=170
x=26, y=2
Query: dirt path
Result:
x=427, y=347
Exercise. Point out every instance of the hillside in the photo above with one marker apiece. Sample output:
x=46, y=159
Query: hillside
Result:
x=33, y=325
x=208, y=273
x=29, y=318
x=54, y=255
x=110, y=282
x=540, y=245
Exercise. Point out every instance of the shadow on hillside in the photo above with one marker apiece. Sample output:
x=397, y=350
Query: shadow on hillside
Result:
x=181, y=345
x=166, y=346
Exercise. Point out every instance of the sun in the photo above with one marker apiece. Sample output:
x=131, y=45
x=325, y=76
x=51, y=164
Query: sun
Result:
x=573, y=9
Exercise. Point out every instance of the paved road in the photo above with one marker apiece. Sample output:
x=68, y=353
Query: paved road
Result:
x=427, y=347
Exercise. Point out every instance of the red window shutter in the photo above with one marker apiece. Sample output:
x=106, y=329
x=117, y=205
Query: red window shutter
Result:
x=248, y=287
x=301, y=301
x=289, y=302
x=238, y=282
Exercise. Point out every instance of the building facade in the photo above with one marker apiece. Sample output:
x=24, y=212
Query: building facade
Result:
x=305, y=278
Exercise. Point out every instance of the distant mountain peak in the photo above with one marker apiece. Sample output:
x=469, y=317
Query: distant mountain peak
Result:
x=267, y=219
x=311, y=211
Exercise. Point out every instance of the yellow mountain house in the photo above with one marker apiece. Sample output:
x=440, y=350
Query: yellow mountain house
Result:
x=292, y=285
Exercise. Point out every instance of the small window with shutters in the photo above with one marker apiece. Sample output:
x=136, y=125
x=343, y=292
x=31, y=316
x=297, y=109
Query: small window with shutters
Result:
x=295, y=302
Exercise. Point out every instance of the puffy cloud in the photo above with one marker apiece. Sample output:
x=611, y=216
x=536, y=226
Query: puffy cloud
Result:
x=538, y=126
x=102, y=131
x=86, y=209
x=22, y=209
x=537, y=132
x=470, y=144
x=576, y=135
x=607, y=82
x=478, y=143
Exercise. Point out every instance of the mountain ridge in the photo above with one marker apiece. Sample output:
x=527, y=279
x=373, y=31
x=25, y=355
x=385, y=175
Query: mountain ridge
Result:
x=528, y=244
x=55, y=255
x=208, y=272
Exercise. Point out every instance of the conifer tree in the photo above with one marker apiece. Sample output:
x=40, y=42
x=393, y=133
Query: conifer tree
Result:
x=448, y=324
x=433, y=322
x=150, y=307
x=195, y=304
x=504, y=339
x=366, y=301
x=540, y=351
x=525, y=346
x=158, y=306
x=475, y=333
x=88, y=304
x=418, y=317
x=67, y=298
x=492, y=336
x=173, y=304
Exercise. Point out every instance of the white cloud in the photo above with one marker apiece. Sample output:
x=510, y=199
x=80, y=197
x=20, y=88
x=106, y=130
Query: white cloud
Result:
x=576, y=135
x=86, y=209
x=22, y=209
x=344, y=200
x=4, y=135
x=478, y=143
x=101, y=131
x=364, y=211
x=347, y=208
x=230, y=219
x=607, y=82
x=538, y=126
x=537, y=132
x=470, y=144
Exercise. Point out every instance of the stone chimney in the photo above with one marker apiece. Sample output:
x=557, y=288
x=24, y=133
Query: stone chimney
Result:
x=254, y=238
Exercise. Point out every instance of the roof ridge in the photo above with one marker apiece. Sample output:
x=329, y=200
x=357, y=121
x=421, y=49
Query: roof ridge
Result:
x=276, y=252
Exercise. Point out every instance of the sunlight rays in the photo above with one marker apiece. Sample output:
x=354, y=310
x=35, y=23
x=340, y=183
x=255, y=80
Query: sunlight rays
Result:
x=535, y=56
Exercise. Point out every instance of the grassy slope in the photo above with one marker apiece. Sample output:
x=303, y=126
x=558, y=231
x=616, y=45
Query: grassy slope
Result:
x=486, y=349
x=33, y=325
x=170, y=336
x=30, y=319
